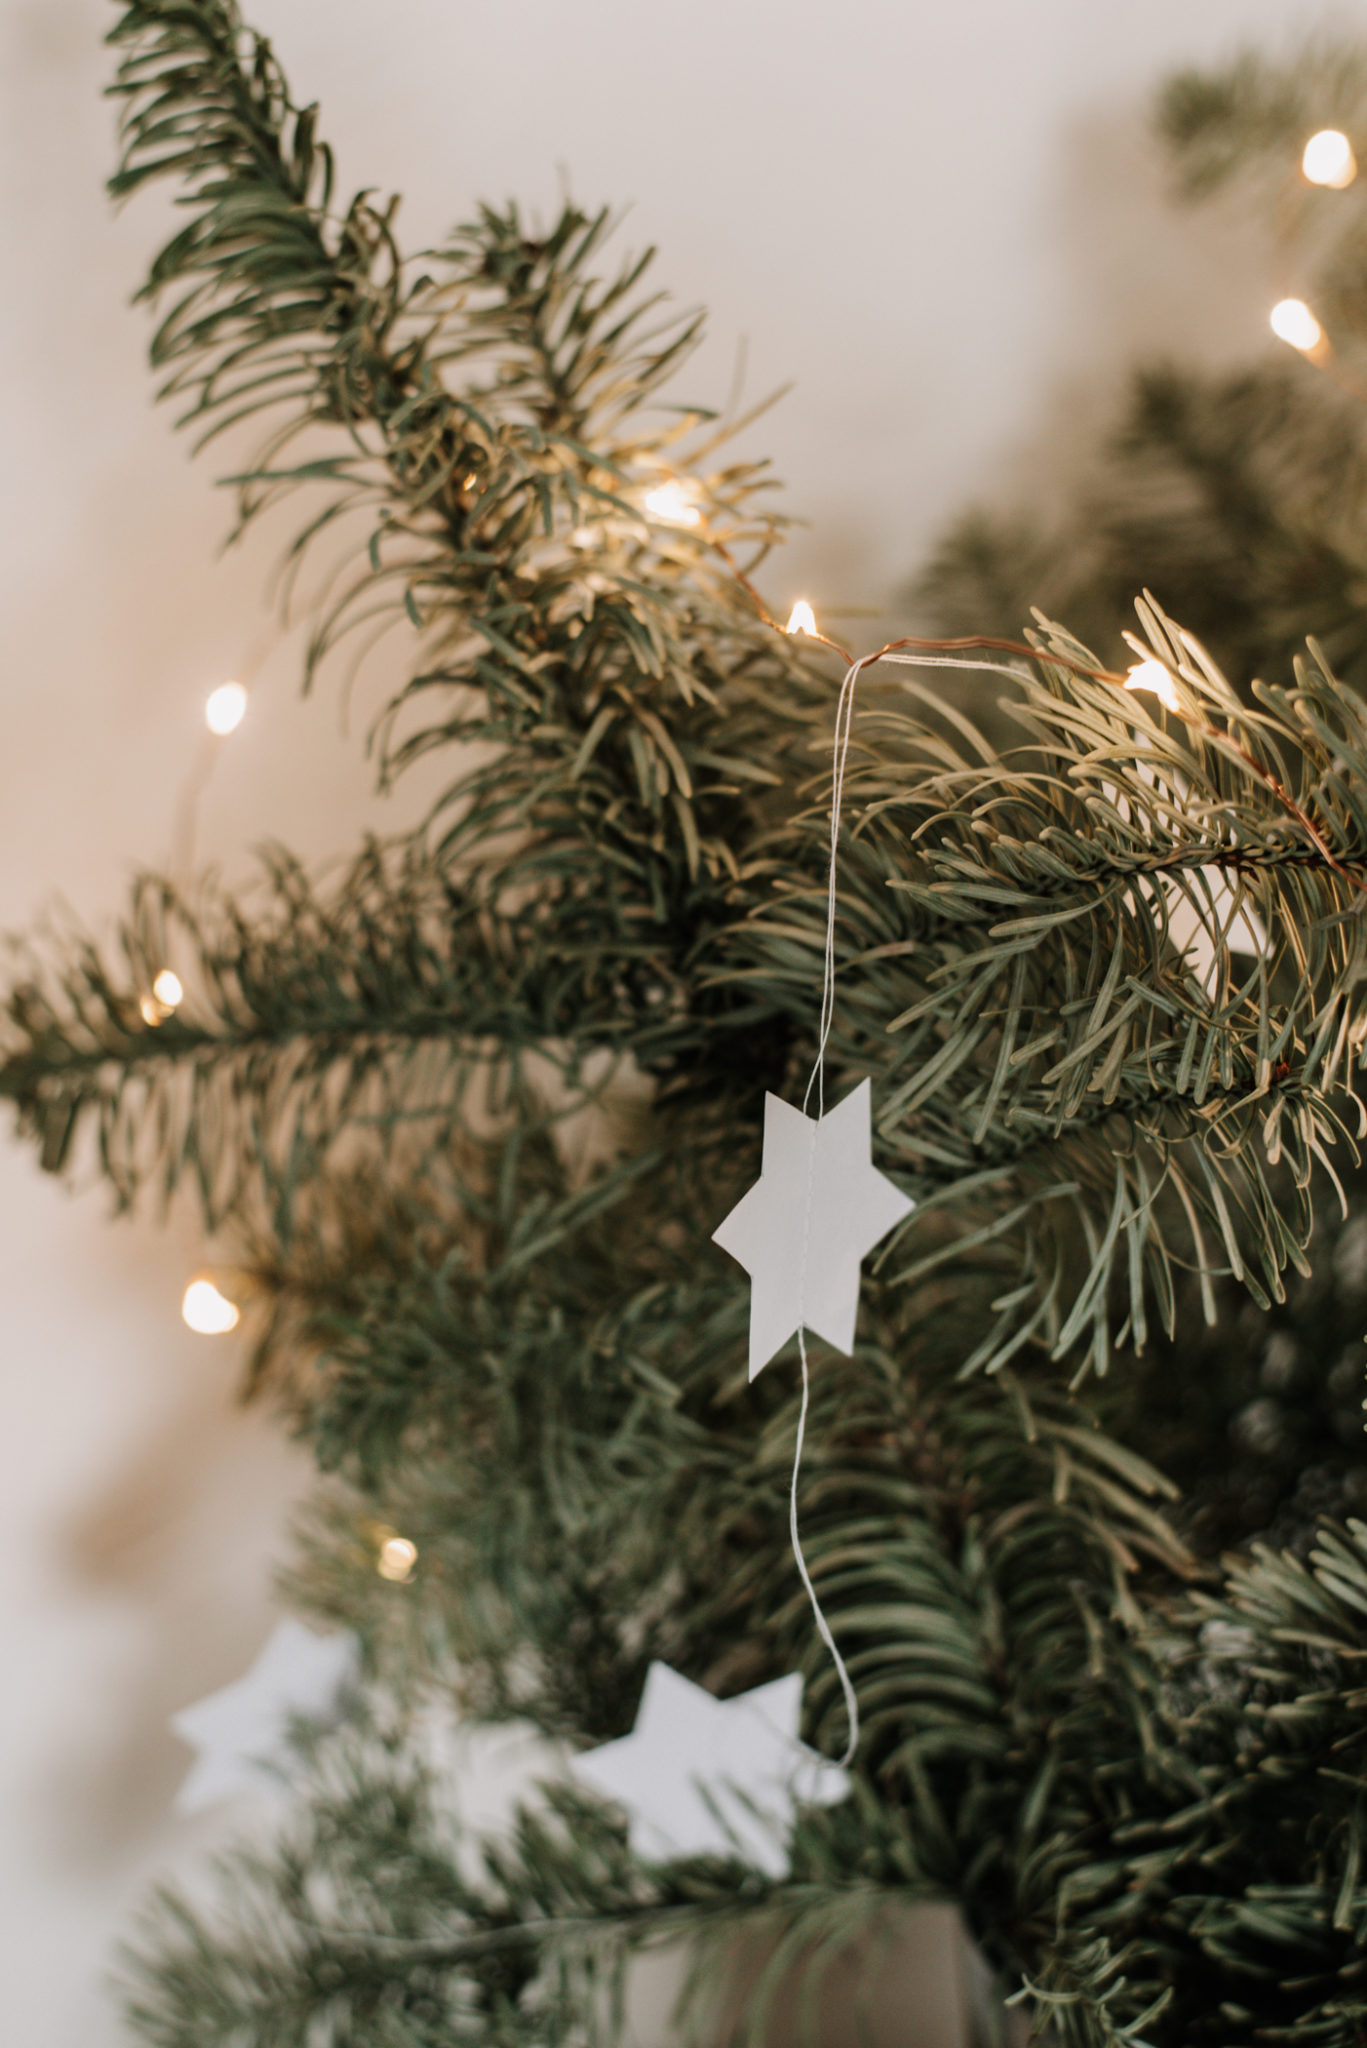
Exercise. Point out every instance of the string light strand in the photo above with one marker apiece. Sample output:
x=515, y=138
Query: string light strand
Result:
x=203, y=1307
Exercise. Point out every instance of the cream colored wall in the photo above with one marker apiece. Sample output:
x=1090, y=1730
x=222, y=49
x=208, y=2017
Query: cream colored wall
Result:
x=940, y=220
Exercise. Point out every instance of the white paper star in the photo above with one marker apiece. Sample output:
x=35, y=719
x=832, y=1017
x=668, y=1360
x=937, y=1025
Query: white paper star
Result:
x=242, y=1730
x=853, y=1205
x=700, y=1776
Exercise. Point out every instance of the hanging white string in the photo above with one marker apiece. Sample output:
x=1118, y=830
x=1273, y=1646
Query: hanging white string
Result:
x=844, y=726
x=844, y=722
x=823, y=1626
x=844, y=719
x=845, y=707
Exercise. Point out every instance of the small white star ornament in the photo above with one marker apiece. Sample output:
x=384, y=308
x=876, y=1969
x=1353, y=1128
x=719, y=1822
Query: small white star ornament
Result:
x=699, y=1776
x=828, y=1162
x=242, y=1731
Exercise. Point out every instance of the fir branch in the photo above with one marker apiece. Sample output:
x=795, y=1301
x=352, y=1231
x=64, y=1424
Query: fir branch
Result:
x=506, y=517
x=311, y=1015
x=526, y=1353
x=1222, y=124
x=1235, y=497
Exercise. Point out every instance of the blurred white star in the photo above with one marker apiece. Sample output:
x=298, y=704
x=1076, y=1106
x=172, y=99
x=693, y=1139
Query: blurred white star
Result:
x=699, y=1776
x=770, y=1232
x=242, y=1730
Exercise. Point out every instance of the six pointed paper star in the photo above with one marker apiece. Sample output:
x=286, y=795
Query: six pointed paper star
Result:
x=826, y=1160
x=699, y=1776
x=242, y=1730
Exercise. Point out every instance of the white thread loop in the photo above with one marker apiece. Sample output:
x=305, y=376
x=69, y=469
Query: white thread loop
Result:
x=844, y=720
x=844, y=723
x=844, y=726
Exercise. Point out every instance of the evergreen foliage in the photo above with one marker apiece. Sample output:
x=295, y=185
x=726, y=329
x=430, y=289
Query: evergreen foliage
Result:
x=469, y=1110
x=1236, y=497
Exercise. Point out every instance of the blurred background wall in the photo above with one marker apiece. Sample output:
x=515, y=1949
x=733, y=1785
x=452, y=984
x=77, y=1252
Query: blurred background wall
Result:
x=944, y=222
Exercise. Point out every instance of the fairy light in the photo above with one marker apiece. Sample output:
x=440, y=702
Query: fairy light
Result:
x=674, y=501
x=396, y=1559
x=207, y=1311
x=1329, y=160
x=165, y=996
x=801, y=619
x=1292, y=320
x=225, y=708
x=1151, y=675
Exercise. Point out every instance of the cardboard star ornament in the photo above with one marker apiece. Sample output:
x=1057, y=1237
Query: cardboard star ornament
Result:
x=699, y=1776
x=819, y=1207
x=242, y=1731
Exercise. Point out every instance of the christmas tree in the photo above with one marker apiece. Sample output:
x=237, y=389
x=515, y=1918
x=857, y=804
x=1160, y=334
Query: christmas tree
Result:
x=1087, y=921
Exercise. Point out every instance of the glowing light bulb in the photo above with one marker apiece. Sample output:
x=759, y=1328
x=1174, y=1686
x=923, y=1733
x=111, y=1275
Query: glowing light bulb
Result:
x=226, y=707
x=151, y=1011
x=801, y=619
x=1329, y=159
x=167, y=989
x=675, y=501
x=1293, y=321
x=207, y=1311
x=1151, y=675
x=397, y=1559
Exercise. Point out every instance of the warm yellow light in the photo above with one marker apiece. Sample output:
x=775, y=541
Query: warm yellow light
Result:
x=226, y=708
x=1329, y=159
x=1293, y=321
x=207, y=1311
x=1151, y=675
x=397, y=1559
x=166, y=994
x=801, y=619
x=675, y=501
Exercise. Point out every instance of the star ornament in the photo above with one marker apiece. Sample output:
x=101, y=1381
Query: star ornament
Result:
x=699, y=1776
x=242, y=1732
x=804, y=1268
